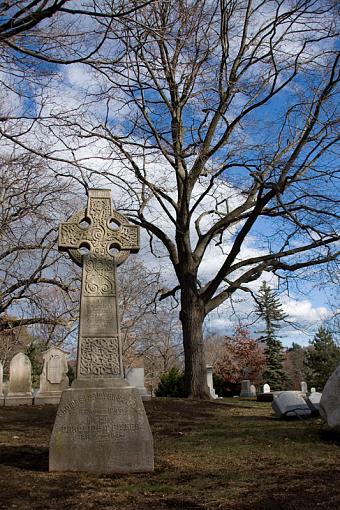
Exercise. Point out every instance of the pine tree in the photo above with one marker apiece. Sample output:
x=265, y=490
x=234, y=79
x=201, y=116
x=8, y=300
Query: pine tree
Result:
x=321, y=359
x=269, y=309
x=33, y=351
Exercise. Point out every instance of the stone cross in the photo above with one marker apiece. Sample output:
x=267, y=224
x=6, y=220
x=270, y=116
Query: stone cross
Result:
x=101, y=230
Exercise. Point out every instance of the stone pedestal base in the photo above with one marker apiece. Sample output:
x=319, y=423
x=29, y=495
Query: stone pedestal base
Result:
x=19, y=400
x=2, y=400
x=47, y=398
x=144, y=393
x=101, y=430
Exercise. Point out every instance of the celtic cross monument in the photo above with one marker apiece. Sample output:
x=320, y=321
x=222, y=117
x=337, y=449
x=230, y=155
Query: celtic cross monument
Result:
x=101, y=425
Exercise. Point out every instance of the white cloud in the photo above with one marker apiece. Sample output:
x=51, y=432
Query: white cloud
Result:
x=303, y=310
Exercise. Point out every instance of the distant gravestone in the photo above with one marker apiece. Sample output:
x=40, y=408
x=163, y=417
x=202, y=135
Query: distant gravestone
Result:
x=135, y=377
x=2, y=400
x=101, y=424
x=313, y=390
x=304, y=387
x=266, y=388
x=210, y=381
x=290, y=404
x=245, y=388
x=53, y=379
x=330, y=401
x=313, y=401
x=20, y=382
x=253, y=390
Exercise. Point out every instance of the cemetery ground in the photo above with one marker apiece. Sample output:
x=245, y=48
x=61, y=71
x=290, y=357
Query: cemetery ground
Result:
x=229, y=454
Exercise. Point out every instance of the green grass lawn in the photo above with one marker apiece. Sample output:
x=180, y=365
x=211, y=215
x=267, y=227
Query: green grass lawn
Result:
x=229, y=454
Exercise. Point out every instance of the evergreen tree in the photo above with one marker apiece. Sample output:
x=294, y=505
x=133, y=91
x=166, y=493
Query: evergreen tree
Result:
x=33, y=351
x=269, y=309
x=322, y=359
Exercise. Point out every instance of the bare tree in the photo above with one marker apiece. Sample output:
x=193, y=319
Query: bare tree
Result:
x=219, y=126
x=36, y=284
x=149, y=330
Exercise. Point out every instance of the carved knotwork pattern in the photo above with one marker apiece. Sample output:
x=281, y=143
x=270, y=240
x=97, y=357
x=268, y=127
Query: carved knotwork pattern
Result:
x=99, y=278
x=99, y=236
x=99, y=209
x=99, y=357
x=70, y=234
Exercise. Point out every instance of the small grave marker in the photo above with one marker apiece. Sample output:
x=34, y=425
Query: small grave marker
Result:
x=20, y=382
x=53, y=379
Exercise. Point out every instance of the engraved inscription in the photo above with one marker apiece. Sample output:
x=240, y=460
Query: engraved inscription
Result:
x=54, y=369
x=99, y=317
x=99, y=357
x=116, y=401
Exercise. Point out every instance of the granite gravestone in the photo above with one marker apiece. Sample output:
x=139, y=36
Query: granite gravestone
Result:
x=210, y=381
x=2, y=400
x=330, y=401
x=20, y=382
x=304, y=387
x=266, y=388
x=253, y=390
x=135, y=377
x=101, y=425
x=290, y=404
x=313, y=401
x=53, y=379
x=245, y=388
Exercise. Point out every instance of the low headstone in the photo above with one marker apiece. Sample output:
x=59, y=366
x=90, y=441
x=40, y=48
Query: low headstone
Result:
x=135, y=377
x=304, y=387
x=253, y=390
x=264, y=397
x=20, y=382
x=266, y=388
x=330, y=401
x=53, y=379
x=101, y=424
x=313, y=401
x=245, y=389
x=313, y=390
x=2, y=399
x=290, y=404
x=210, y=381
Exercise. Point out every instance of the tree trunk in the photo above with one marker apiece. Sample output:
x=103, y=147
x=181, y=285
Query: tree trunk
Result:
x=192, y=317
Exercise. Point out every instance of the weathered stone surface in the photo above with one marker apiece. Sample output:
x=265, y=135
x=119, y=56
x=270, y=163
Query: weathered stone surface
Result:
x=330, y=401
x=210, y=382
x=245, y=389
x=99, y=346
x=304, y=387
x=101, y=431
x=290, y=404
x=53, y=379
x=2, y=399
x=20, y=383
x=266, y=388
x=313, y=401
x=135, y=377
x=101, y=425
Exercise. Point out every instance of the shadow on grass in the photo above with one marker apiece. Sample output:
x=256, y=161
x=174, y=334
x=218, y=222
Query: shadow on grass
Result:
x=24, y=457
x=22, y=417
x=330, y=436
